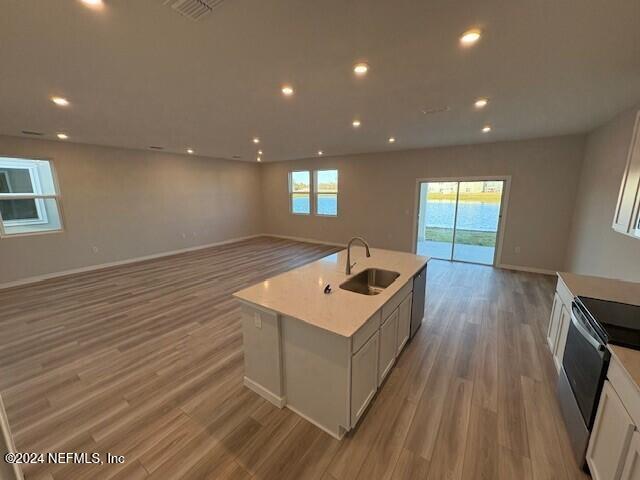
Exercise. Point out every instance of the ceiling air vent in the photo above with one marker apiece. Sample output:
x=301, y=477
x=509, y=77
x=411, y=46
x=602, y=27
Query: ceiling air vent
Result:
x=433, y=111
x=31, y=132
x=193, y=9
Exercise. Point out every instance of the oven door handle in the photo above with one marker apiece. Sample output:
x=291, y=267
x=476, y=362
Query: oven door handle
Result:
x=595, y=343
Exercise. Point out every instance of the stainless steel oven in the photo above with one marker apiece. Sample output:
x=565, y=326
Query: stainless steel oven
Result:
x=584, y=367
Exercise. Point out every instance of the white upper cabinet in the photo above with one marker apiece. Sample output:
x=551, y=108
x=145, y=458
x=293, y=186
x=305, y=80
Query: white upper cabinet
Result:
x=627, y=217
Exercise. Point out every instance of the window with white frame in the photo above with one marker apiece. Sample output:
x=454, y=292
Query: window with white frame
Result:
x=29, y=200
x=318, y=192
x=326, y=192
x=300, y=192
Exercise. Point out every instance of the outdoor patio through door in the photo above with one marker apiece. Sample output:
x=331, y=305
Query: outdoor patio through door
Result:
x=460, y=220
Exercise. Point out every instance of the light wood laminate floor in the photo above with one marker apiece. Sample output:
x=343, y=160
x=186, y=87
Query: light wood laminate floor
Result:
x=145, y=361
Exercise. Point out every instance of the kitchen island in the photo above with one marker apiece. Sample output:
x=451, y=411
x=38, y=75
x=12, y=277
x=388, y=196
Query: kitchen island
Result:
x=325, y=355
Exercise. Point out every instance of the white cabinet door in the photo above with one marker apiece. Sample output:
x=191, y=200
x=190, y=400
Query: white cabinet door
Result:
x=554, y=322
x=388, y=345
x=364, y=377
x=404, y=323
x=561, y=340
x=627, y=214
x=610, y=437
x=631, y=470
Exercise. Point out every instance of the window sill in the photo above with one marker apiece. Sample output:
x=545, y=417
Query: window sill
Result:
x=23, y=223
x=5, y=236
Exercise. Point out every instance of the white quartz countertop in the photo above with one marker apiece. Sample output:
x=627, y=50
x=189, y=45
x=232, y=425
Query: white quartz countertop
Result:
x=299, y=293
x=602, y=288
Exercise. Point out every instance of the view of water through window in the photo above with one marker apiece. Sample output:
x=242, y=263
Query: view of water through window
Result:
x=325, y=190
x=460, y=220
x=327, y=204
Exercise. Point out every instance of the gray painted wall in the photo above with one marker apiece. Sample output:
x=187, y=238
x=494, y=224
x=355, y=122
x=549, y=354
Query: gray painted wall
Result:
x=378, y=192
x=131, y=203
x=595, y=249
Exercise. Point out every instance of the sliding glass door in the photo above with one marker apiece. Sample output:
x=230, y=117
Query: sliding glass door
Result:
x=460, y=220
x=437, y=218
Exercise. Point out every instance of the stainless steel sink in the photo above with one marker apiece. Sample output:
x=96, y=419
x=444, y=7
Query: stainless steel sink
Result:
x=371, y=281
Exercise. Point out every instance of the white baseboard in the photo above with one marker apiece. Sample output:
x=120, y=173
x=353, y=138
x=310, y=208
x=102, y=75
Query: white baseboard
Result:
x=281, y=402
x=527, y=269
x=306, y=240
x=100, y=266
x=337, y=436
x=264, y=393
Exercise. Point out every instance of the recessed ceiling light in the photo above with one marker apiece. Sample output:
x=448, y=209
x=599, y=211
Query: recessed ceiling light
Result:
x=486, y=129
x=360, y=69
x=190, y=151
x=320, y=152
x=392, y=139
x=259, y=159
x=93, y=3
x=256, y=140
x=481, y=102
x=470, y=37
x=287, y=90
x=63, y=136
x=356, y=123
x=60, y=101
x=259, y=152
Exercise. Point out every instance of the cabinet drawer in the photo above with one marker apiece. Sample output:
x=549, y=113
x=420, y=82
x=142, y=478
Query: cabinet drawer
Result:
x=396, y=300
x=564, y=293
x=625, y=388
x=364, y=333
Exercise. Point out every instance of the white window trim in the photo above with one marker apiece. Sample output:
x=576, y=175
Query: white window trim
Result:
x=310, y=192
x=6, y=178
x=37, y=195
x=316, y=193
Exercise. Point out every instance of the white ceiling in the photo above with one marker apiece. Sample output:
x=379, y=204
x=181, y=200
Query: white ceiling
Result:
x=139, y=74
